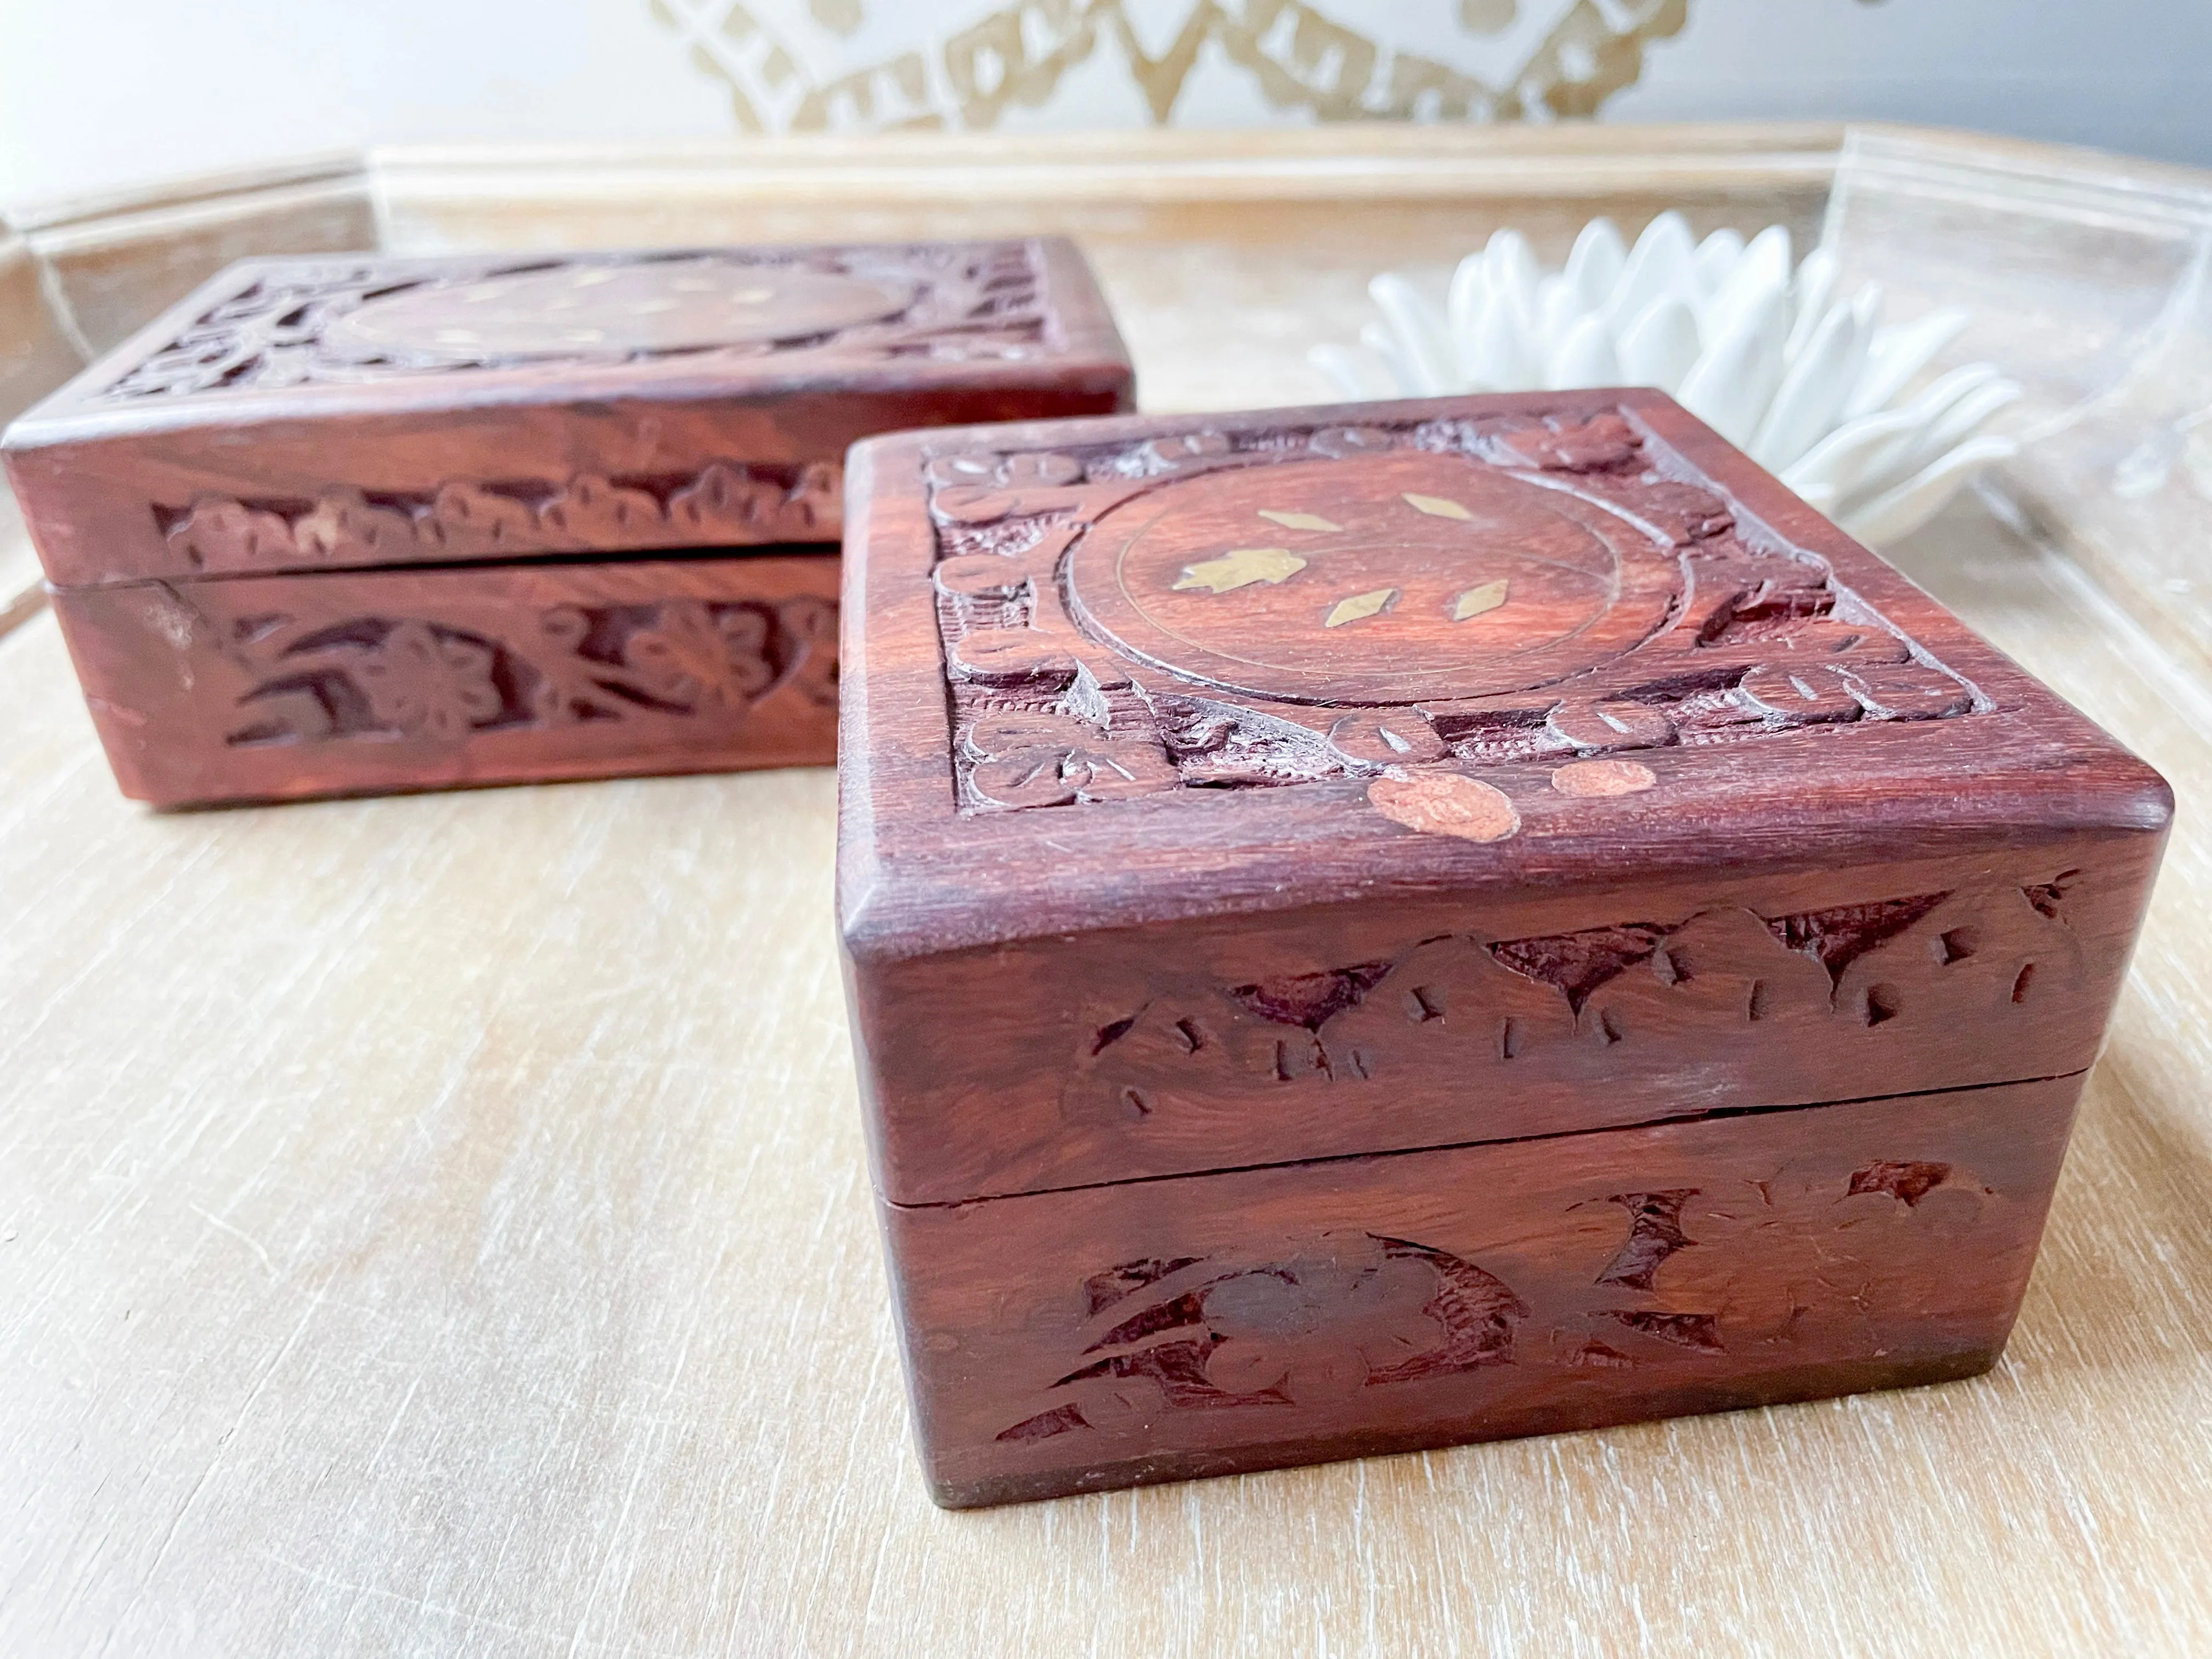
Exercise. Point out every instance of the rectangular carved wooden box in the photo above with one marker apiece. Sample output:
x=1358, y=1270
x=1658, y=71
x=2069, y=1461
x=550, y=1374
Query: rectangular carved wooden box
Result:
x=1378, y=926
x=357, y=523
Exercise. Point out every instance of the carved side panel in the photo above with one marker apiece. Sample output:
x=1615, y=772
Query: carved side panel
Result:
x=1067, y=1341
x=1053, y=1066
x=322, y=321
x=1421, y=600
x=723, y=504
x=1860, y=991
x=283, y=686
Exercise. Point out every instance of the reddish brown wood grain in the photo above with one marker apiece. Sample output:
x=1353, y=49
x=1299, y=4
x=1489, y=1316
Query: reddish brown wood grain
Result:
x=1226, y=1042
x=1238, y=949
x=311, y=420
x=275, y=688
x=1062, y=1342
x=1227, y=800
x=262, y=424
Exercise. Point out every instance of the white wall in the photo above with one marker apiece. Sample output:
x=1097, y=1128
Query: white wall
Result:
x=97, y=92
x=94, y=93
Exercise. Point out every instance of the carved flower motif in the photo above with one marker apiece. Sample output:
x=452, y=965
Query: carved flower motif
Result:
x=811, y=624
x=1044, y=759
x=1015, y=656
x=1593, y=725
x=1592, y=445
x=1338, y=441
x=1166, y=454
x=344, y=528
x=981, y=576
x=1906, y=690
x=594, y=513
x=429, y=682
x=219, y=534
x=1390, y=737
x=983, y=489
x=697, y=658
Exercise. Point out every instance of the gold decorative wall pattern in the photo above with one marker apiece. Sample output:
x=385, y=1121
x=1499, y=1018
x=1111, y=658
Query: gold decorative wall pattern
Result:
x=810, y=65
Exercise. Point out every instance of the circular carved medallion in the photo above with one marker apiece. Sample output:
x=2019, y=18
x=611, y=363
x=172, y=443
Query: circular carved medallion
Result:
x=660, y=305
x=1397, y=578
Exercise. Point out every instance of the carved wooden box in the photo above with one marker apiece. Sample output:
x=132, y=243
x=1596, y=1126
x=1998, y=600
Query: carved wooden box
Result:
x=357, y=523
x=1408, y=923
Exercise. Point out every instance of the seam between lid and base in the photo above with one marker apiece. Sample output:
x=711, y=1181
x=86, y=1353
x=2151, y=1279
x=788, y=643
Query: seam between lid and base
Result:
x=1715, y=1115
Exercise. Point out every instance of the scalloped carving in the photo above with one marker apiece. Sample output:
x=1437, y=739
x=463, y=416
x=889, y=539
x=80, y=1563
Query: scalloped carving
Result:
x=722, y=504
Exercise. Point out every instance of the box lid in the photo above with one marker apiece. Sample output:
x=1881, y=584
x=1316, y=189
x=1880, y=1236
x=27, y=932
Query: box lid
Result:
x=1176, y=749
x=361, y=411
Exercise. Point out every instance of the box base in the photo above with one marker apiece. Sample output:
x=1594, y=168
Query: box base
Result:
x=1075, y=1340
x=226, y=691
x=1564, y=1416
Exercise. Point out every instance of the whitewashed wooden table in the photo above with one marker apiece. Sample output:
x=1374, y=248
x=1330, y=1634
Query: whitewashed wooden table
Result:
x=438, y=1225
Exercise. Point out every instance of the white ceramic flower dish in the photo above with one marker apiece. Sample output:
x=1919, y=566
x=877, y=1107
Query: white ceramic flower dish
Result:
x=1812, y=386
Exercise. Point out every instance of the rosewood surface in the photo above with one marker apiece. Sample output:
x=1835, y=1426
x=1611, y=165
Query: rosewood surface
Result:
x=1066, y=1341
x=1281, y=789
x=365, y=410
x=277, y=687
x=1705, y=808
x=252, y=512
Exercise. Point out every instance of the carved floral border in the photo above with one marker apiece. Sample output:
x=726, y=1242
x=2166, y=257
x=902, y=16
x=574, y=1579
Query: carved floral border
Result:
x=972, y=301
x=378, y=676
x=723, y=504
x=1044, y=715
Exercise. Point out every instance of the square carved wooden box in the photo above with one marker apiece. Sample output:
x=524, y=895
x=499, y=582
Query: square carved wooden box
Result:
x=356, y=523
x=1379, y=926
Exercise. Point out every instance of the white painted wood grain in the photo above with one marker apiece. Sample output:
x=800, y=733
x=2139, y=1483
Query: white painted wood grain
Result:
x=437, y=1226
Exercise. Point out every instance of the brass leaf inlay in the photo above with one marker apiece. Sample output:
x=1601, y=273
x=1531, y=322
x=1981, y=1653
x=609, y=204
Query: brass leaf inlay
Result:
x=1298, y=521
x=1441, y=507
x=1358, y=606
x=1477, y=600
x=1240, y=568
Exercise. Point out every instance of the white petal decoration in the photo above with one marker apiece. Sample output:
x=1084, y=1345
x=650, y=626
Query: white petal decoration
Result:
x=1763, y=270
x=1837, y=462
x=1894, y=462
x=1512, y=268
x=1904, y=509
x=1503, y=354
x=1814, y=389
x=1663, y=262
x=1967, y=415
x=1463, y=303
x=1661, y=347
x=1395, y=358
x=1417, y=326
x=1811, y=383
x=1594, y=267
x=1729, y=388
x=1558, y=308
x=1716, y=257
x=1357, y=375
x=1585, y=357
x=1901, y=353
x=1809, y=296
